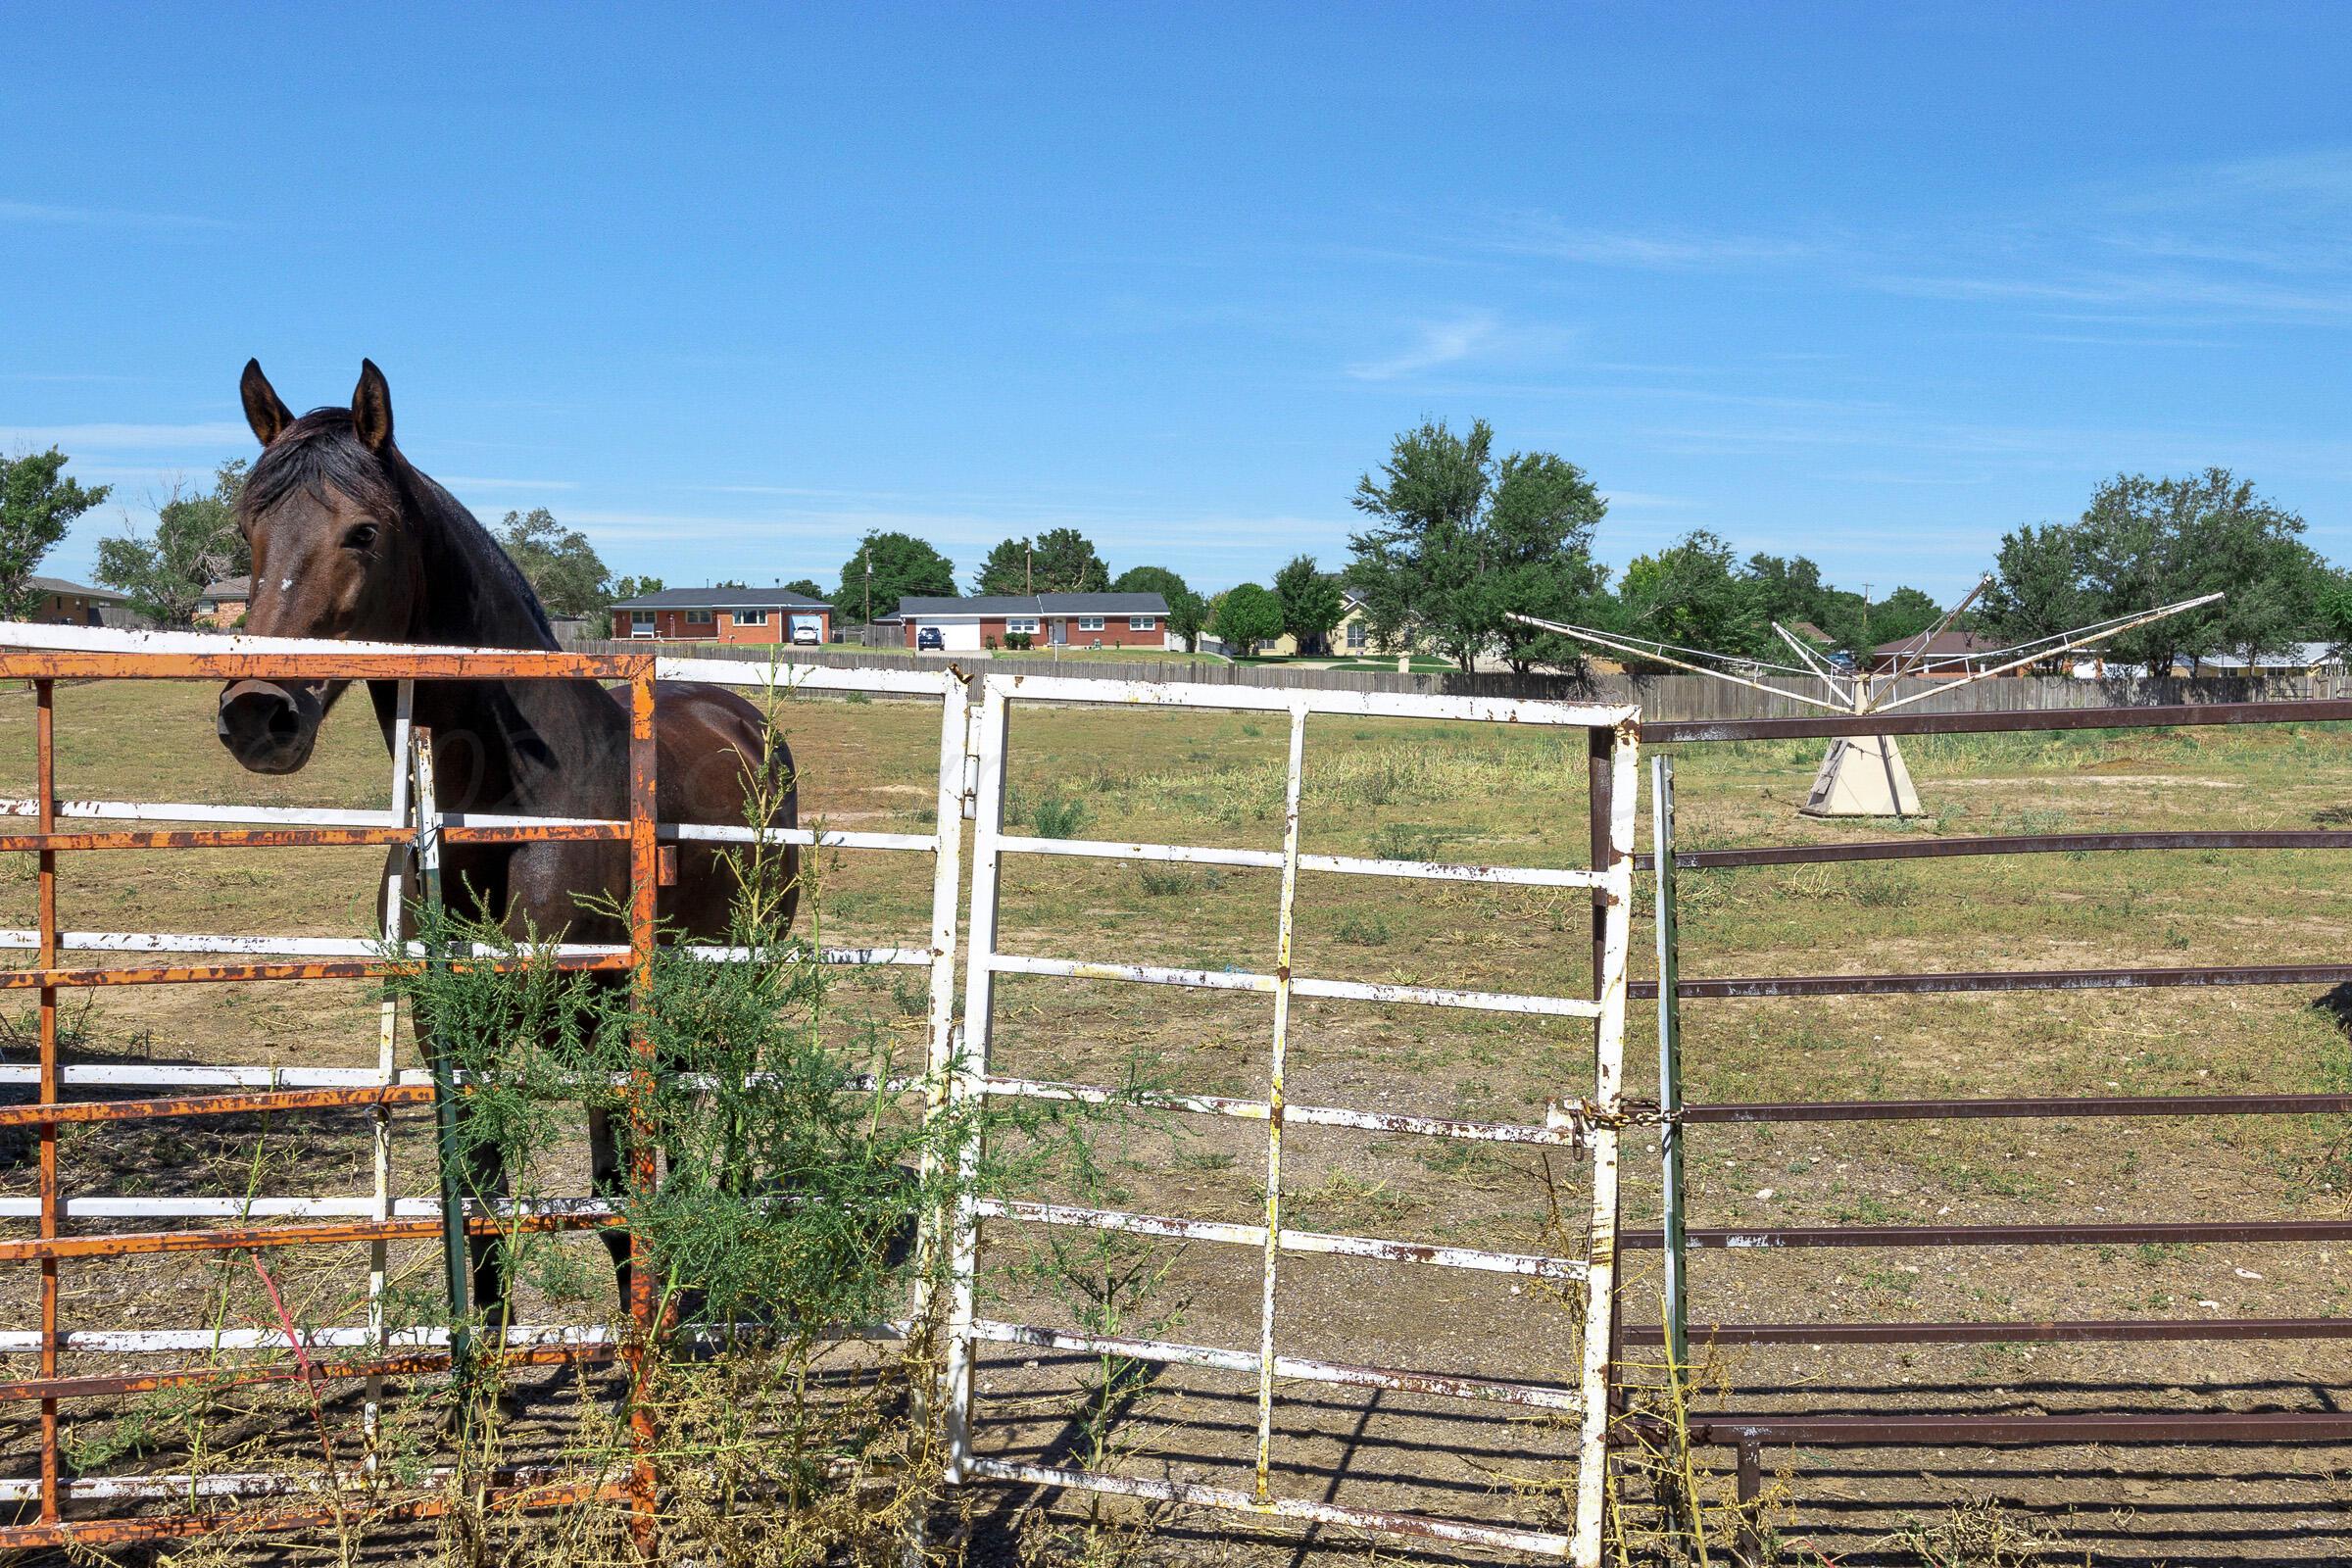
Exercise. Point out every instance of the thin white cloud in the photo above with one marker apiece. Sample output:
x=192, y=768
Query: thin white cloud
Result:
x=1439, y=343
x=1541, y=236
x=101, y=216
x=2259, y=241
x=125, y=437
x=456, y=481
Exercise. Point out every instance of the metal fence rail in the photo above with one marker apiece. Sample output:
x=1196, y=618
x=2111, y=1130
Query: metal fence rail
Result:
x=1589, y=1124
x=44, y=656
x=1675, y=987
x=971, y=756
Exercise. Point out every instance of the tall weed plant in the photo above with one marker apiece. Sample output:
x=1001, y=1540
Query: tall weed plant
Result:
x=790, y=1378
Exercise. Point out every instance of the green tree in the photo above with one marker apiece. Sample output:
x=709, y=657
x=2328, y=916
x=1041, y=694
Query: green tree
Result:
x=1902, y=613
x=1245, y=616
x=37, y=508
x=561, y=567
x=1688, y=595
x=1310, y=602
x=2333, y=604
x=2038, y=589
x=1059, y=560
x=805, y=587
x=196, y=543
x=891, y=566
x=1462, y=539
x=2146, y=542
x=1186, y=611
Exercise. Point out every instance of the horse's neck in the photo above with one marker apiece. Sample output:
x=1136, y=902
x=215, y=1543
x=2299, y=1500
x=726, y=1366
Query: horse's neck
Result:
x=541, y=747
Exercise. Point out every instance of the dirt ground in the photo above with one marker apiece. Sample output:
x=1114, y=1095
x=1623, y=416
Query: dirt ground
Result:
x=1427, y=790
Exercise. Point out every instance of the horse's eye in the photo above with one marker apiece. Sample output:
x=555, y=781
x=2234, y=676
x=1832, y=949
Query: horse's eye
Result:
x=360, y=537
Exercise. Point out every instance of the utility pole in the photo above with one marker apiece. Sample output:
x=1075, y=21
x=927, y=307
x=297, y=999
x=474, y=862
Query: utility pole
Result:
x=1028, y=567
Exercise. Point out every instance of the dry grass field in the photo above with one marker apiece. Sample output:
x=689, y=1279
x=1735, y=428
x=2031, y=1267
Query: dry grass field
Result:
x=1457, y=792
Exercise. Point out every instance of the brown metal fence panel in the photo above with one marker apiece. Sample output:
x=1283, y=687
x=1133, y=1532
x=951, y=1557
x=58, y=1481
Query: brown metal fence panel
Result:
x=1677, y=986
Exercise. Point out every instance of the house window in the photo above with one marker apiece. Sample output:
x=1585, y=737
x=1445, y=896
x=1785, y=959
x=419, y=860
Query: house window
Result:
x=1140, y=622
x=748, y=617
x=1016, y=624
x=701, y=618
x=1090, y=622
x=642, y=617
x=1356, y=635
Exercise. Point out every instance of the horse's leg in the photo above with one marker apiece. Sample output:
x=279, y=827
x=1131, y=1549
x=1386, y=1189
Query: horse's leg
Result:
x=486, y=1184
x=608, y=1179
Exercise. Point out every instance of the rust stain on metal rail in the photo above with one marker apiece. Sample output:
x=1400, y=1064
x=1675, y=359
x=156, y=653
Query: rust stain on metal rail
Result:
x=1670, y=732
x=1569, y=1135
x=124, y=1243
x=307, y=969
x=538, y=833
x=1303, y=1242
x=1966, y=981
x=1968, y=1109
x=1905, y=1431
x=1443, y=1385
x=1540, y=1544
x=1936, y=849
x=2125, y=1233
x=103, y=1532
x=415, y=1365
x=2046, y=1331
x=211, y=838
x=89, y=1111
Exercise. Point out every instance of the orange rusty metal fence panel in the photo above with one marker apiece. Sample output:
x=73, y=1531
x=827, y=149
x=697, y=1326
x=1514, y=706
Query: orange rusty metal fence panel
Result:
x=44, y=656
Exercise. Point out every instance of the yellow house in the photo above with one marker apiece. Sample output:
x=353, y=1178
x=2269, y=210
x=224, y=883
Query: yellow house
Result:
x=1351, y=638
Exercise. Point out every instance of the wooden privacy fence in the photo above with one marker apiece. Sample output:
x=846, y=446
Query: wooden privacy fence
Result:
x=973, y=746
x=1671, y=698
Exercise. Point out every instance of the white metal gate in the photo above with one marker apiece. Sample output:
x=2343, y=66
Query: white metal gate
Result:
x=1590, y=1125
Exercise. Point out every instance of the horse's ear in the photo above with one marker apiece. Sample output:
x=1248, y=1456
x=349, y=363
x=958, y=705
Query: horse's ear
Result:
x=372, y=408
x=263, y=410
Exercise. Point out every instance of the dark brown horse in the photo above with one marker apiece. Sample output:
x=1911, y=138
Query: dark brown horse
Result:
x=351, y=541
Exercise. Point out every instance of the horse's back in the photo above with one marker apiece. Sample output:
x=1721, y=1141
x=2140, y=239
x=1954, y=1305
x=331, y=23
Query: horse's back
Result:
x=714, y=753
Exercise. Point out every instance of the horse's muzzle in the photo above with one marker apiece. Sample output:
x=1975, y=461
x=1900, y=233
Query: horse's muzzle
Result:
x=266, y=727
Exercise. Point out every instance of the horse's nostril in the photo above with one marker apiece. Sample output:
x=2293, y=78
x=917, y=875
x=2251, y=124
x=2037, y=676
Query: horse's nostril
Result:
x=255, y=716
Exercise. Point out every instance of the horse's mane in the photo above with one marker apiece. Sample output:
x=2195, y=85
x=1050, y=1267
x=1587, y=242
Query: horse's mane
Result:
x=323, y=451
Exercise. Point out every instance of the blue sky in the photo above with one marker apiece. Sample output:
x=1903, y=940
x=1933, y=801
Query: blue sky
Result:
x=726, y=288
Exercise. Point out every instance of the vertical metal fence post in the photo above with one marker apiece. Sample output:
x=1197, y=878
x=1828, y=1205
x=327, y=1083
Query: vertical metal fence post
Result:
x=1615, y=781
x=989, y=732
x=387, y=1071
x=1281, y=1048
x=454, y=1261
x=645, y=854
x=45, y=785
x=934, y=1236
x=1670, y=1066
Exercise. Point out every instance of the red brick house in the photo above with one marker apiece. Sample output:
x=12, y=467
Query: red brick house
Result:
x=64, y=603
x=1947, y=655
x=225, y=603
x=725, y=616
x=1052, y=621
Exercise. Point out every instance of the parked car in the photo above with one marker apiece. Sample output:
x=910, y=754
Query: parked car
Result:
x=931, y=637
x=804, y=637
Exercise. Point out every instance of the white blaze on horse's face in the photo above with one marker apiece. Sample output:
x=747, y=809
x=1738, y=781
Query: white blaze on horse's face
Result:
x=322, y=514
